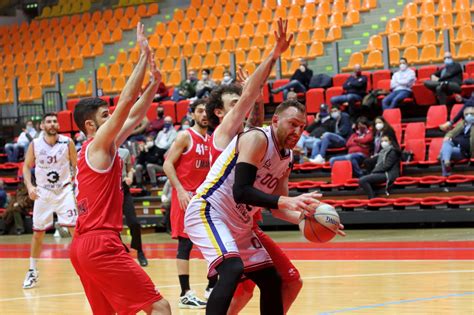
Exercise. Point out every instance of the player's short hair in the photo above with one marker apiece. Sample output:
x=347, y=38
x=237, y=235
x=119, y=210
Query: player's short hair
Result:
x=86, y=110
x=50, y=114
x=194, y=105
x=290, y=103
x=215, y=101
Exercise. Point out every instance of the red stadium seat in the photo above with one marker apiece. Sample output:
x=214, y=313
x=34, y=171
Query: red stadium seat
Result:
x=305, y=185
x=182, y=109
x=341, y=172
x=266, y=94
x=457, y=179
x=393, y=116
x=278, y=97
x=405, y=181
x=428, y=181
x=71, y=104
x=415, y=131
x=352, y=183
x=377, y=203
x=406, y=202
x=418, y=147
x=333, y=91
x=309, y=166
x=380, y=75
x=458, y=201
x=436, y=116
x=340, y=78
x=422, y=95
x=455, y=110
x=433, y=202
x=433, y=153
x=425, y=72
x=65, y=121
x=470, y=68
x=314, y=99
x=151, y=113
x=352, y=204
x=334, y=203
x=398, y=132
x=169, y=108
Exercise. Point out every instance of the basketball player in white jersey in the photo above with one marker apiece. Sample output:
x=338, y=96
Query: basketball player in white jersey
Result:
x=219, y=218
x=54, y=158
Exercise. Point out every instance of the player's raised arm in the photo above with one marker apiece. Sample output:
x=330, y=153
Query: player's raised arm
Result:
x=106, y=136
x=179, y=146
x=138, y=111
x=231, y=123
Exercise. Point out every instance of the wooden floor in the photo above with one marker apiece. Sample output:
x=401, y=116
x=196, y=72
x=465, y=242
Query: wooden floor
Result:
x=330, y=286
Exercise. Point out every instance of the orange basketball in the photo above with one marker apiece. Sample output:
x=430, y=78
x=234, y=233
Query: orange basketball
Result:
x=322, y=226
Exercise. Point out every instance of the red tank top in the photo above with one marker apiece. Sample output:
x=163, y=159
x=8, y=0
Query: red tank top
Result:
x=193, y=165
x=99, y=195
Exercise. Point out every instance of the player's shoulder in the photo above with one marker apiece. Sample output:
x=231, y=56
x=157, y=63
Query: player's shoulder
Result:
x=255, y=135
x=62, y=139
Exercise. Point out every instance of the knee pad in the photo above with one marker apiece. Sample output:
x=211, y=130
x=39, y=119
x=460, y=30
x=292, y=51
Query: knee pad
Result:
x=184, y=248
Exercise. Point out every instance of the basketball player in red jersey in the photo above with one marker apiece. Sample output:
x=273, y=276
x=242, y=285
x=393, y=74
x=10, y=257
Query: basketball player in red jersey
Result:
x=186, y=166
x=112, y=280
x=229, y=119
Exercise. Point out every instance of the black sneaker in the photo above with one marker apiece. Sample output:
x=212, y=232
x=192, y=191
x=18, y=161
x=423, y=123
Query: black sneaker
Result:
x=142, y=259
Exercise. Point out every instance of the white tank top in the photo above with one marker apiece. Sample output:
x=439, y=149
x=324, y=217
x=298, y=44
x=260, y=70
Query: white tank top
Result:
x=217, y=188
x=53, y=168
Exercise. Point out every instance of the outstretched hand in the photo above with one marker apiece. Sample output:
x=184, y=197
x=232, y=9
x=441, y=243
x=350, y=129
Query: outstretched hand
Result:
x=141, y=39
x=155, y=74
x=281, y=42
x=242, y=76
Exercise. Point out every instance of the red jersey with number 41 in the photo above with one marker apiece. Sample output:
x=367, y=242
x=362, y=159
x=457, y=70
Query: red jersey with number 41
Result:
x=99, y=194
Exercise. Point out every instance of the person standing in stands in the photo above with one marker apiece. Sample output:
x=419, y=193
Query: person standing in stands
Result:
x=401, y=84
x=355, y=88
x=299, y=81
x=447, y=80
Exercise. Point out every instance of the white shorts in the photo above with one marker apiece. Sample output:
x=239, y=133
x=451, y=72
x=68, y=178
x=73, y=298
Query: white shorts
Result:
x=61, y=201
x=217, y=240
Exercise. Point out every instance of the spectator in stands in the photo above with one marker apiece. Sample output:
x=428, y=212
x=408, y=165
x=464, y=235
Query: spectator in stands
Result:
x=459, y=99
x=401, y=84
x=80, y=138
x=3, y=194
x=358, y=146
x=292, y=96
x=21, y=145
x=162, y=93
x=299, y=81
x=187, y=88
x=311, y=136
x=205, y=85
x=387, y=167
x=156, y=124
x=336, y=139
x=354, y=90
x=148, y=158
x=19, y=206
x=459, y=143
x=138, y=133
x=227, y=79
x=446, y=80
x=185, y=124
x=383, y=128
x=165, y=138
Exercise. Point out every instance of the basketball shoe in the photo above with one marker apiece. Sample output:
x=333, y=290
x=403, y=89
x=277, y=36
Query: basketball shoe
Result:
x=207, y=293
x=190, y=300
x=31, y=279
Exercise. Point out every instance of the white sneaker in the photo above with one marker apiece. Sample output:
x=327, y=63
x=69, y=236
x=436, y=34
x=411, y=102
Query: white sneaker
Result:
x=31, y=279
x=207, y=293
x=318, y=160
x=190, y=300
x=63, y=231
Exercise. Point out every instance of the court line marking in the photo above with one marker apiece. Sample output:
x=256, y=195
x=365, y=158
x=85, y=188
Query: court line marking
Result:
x=304, y=278
x=436, y=297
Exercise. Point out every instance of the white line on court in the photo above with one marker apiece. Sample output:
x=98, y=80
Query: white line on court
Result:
x=305, y=278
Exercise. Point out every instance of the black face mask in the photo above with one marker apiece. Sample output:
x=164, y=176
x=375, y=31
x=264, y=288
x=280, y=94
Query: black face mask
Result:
x=161, y=114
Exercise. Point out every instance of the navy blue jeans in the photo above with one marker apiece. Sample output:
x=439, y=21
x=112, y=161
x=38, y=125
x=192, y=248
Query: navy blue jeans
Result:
x=328, y=140
x=394, y=98
x=294, y=84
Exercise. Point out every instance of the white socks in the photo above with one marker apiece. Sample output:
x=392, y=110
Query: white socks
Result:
x=32, y=263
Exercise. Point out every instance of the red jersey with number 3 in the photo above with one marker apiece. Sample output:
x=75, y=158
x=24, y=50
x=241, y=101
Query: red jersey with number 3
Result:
x=99, y=194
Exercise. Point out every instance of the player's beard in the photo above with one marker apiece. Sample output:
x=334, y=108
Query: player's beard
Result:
x=202, y=125
x=51, y=131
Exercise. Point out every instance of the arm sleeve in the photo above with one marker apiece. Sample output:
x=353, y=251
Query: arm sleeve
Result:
x=244, y=192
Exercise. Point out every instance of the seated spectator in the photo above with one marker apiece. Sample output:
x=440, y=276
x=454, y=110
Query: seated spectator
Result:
x=312, y=134
x=387, y=167
x=162, y=93
x=138, y=133
x=401, y=84
x=13, y=150
x=156, y=124
x=187, y=88
x=336, y=139
x=165, y=138
x=292, y=96
x=299, y=81
x=148, y=158
x=205, y=85
x=358, y=146
x=227, y=79
x=460, y=100
x=354, y=90
x=3, y=194
x=382, y=128
x=446, y=80
x=19, y=206
x=458, y=143
x=185, y=124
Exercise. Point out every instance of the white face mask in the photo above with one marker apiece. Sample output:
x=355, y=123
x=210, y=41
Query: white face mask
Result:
x=184, y=127
x=403, y=67
x=384, y=144
x=302, y=68
x=335, y=115
x=227, y=78
x=149, y=144
x=379, y=126
x=204, y=76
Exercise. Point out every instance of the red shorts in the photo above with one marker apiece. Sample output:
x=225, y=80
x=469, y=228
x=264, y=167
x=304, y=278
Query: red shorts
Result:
x=282, y=263
x=112, y=280
x=176, y=217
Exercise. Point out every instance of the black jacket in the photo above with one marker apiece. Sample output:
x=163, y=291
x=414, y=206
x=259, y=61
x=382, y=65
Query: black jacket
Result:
x=303, y=77
x=356, y=85
x=345, y=126
x=388, y=162
x=453, y=73
x=317, y=128
x=153, y=156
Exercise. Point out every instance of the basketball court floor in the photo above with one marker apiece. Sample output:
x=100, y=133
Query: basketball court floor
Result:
x=415, y=271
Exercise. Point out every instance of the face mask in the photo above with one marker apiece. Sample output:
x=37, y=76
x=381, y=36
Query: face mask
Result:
x=302, y=68
x=184, y=127
x=448, y=61
x=362, y=129
x=227, y=78
x=384, y=144
x=161, y=114
x=167, y=125
x=29, y=129
x=358, y=73
x=149, y=144
x=335, y=115
x=204, y=76
x=379, y=126
x=469, y=118
x=403, y=67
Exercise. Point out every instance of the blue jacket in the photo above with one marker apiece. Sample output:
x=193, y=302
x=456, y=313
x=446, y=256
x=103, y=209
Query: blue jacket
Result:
x=344, y=126
x=356, y=85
